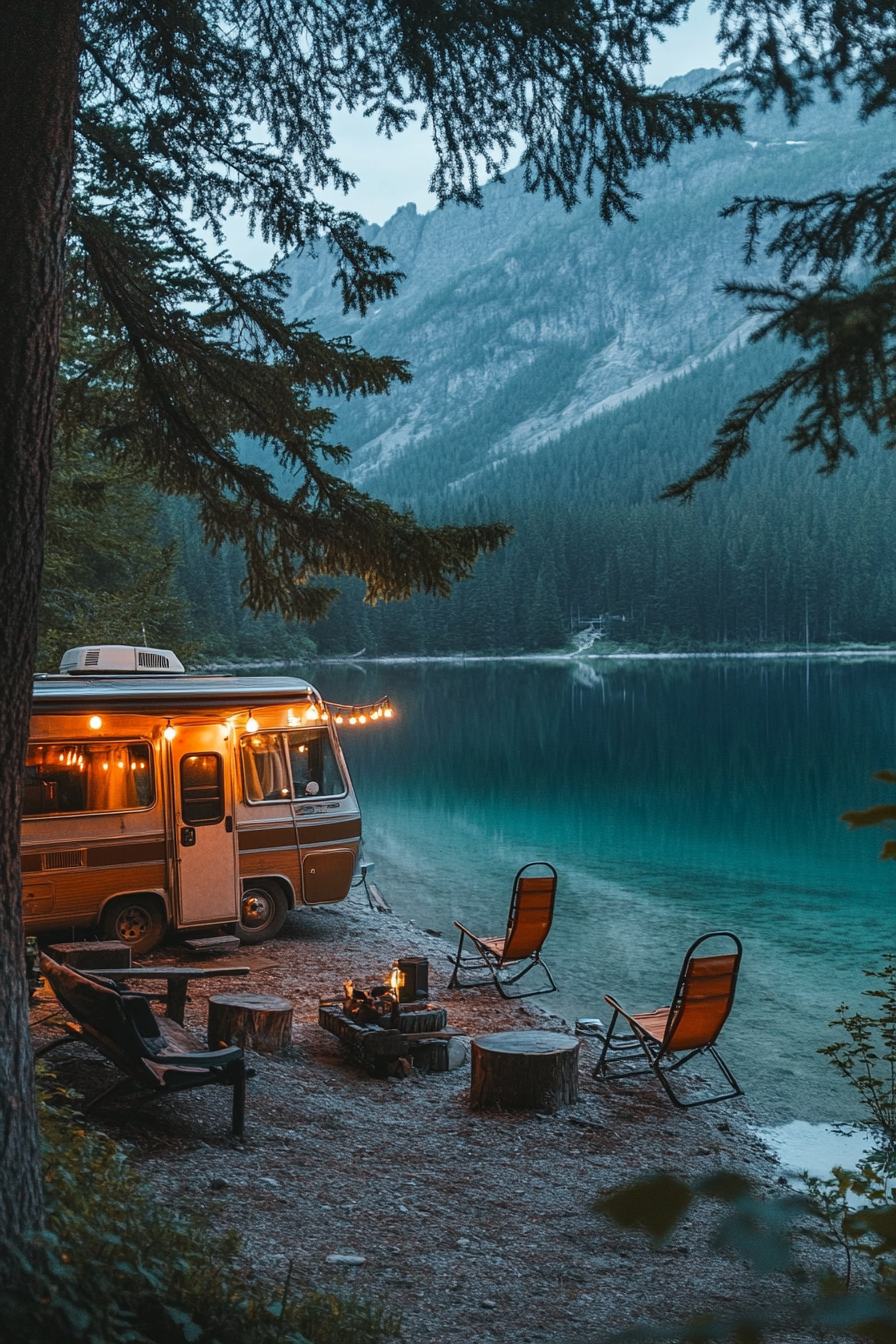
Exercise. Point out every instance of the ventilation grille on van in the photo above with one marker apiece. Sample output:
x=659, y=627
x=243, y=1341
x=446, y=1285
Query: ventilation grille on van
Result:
x=151, y=659
x=91, y=658
x=64, y=858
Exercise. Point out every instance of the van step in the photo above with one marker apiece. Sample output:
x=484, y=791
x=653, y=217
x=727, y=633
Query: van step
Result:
x=224, y=943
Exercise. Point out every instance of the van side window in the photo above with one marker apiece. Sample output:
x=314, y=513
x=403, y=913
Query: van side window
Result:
x=202, y=789
x=313, y=763
x=264, y=768
x=87, y=777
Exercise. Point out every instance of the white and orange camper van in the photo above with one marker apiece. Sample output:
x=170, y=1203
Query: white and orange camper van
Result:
x=154, y=798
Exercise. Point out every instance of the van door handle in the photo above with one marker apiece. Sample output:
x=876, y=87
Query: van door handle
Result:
x=228, y=825
x=187, y=836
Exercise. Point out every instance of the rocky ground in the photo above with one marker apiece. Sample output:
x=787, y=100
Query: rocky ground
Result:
x=472, y=1226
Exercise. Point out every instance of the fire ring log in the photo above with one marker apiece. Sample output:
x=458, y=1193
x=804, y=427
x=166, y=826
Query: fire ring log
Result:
x=525, y=1071
x=260, y=1022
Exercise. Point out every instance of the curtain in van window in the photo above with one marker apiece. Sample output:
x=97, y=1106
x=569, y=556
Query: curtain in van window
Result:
x=87, y=777
x=110, y=780
x=264, y=768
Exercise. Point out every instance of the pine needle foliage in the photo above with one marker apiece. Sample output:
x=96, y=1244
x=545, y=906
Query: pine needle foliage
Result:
x=199, y=109
x=116, y=1266
x=834, y=303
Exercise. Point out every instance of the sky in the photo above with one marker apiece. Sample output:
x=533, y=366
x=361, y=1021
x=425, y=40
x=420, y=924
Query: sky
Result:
x=394, y=172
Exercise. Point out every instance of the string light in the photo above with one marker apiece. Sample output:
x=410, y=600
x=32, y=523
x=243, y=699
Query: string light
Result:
x=356, y=714
x=96, y=721
x=252, y=724
x=170, y=733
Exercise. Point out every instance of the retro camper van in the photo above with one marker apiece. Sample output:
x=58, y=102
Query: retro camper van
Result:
x=154, y=798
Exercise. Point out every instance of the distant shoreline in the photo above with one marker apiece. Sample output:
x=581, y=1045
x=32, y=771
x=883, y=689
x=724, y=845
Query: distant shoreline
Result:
x=885, y=653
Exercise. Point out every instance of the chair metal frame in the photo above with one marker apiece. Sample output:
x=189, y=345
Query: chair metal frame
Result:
x=661, y=1060
x=486, y=958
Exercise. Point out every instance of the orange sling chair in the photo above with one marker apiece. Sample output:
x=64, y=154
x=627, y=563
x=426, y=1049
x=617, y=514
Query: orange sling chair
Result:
x=690, y=1026
x=528, y=925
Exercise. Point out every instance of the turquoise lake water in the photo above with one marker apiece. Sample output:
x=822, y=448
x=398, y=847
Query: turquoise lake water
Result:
x=673, y=798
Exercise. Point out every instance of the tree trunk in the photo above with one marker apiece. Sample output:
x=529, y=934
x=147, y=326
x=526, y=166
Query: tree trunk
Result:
x=38, y=98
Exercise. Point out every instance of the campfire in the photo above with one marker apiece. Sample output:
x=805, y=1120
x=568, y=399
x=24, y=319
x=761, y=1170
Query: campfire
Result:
x=391, y=1027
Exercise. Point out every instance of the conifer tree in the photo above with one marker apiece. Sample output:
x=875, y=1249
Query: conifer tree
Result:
x=835, y=298
x=133, y=130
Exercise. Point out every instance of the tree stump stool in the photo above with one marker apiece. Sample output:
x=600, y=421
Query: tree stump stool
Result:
x=261, y=1022
x=525, y=1071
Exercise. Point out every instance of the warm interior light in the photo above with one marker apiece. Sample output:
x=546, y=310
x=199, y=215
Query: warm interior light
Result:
x=252, y=724
x=170, y=733
x=312, y=713
x=96, y=721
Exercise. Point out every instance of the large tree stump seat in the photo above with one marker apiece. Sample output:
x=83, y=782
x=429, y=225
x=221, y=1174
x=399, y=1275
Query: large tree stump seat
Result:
x=524, y=1071
x=261, y=1022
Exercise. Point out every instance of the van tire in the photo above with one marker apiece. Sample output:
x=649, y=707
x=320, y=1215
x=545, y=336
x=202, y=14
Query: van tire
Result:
x=139, y=921
x=263, y=908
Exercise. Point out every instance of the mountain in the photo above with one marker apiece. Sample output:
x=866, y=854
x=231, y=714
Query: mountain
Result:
x=522, y=322
x=564, y=372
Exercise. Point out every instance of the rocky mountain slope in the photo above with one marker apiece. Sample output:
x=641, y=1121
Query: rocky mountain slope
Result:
x=522, y=322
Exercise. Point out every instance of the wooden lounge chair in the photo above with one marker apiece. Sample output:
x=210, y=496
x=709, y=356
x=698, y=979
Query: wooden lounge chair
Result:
x=528, y=925
x=690, y=1026
x=154, y=1052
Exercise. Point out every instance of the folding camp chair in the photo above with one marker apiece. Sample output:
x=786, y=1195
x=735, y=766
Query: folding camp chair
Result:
x=670, y=1037
x=528, y=925
x=154, y=1052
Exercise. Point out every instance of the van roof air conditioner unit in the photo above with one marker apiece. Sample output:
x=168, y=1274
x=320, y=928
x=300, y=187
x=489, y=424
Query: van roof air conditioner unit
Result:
x=115, y=659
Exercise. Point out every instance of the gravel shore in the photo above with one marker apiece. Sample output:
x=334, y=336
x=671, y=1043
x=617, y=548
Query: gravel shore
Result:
x=472, y=1226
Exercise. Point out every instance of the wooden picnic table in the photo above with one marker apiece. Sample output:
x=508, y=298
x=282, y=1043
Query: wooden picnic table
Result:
x=177, y=978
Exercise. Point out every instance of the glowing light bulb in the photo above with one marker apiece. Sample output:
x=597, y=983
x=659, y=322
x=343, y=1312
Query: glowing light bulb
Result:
x=170, y=733
x=353, y=718
x=96, y=721
x=312, y=713
x=387, y=713
x=339, y=719
x=362, y=718
x=252, y=724
x=325, y=717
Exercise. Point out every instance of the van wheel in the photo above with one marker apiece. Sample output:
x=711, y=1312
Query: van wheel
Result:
x=263, y=909
x=139, y=921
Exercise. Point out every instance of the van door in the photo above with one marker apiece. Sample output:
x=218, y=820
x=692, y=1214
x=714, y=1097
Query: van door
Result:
x=204, y=838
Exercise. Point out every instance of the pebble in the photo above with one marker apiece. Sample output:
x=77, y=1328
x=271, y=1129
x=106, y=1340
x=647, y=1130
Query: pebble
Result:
x=218, y=1183
x=487, y=1304
x=346, y=1260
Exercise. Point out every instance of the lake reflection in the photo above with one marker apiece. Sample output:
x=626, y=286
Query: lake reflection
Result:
x=673, y=798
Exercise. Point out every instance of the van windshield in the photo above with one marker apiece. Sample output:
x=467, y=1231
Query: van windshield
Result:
x=87, y=777
x=280, y=766
x=313, y=764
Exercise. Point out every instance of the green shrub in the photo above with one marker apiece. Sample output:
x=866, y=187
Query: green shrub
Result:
x=115, y=1266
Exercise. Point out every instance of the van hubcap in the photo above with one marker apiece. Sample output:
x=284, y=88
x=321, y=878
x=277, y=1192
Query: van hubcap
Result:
x=256, y=909
x=132, y=924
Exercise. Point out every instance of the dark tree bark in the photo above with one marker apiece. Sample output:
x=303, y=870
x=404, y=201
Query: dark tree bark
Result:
x=38, y=98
